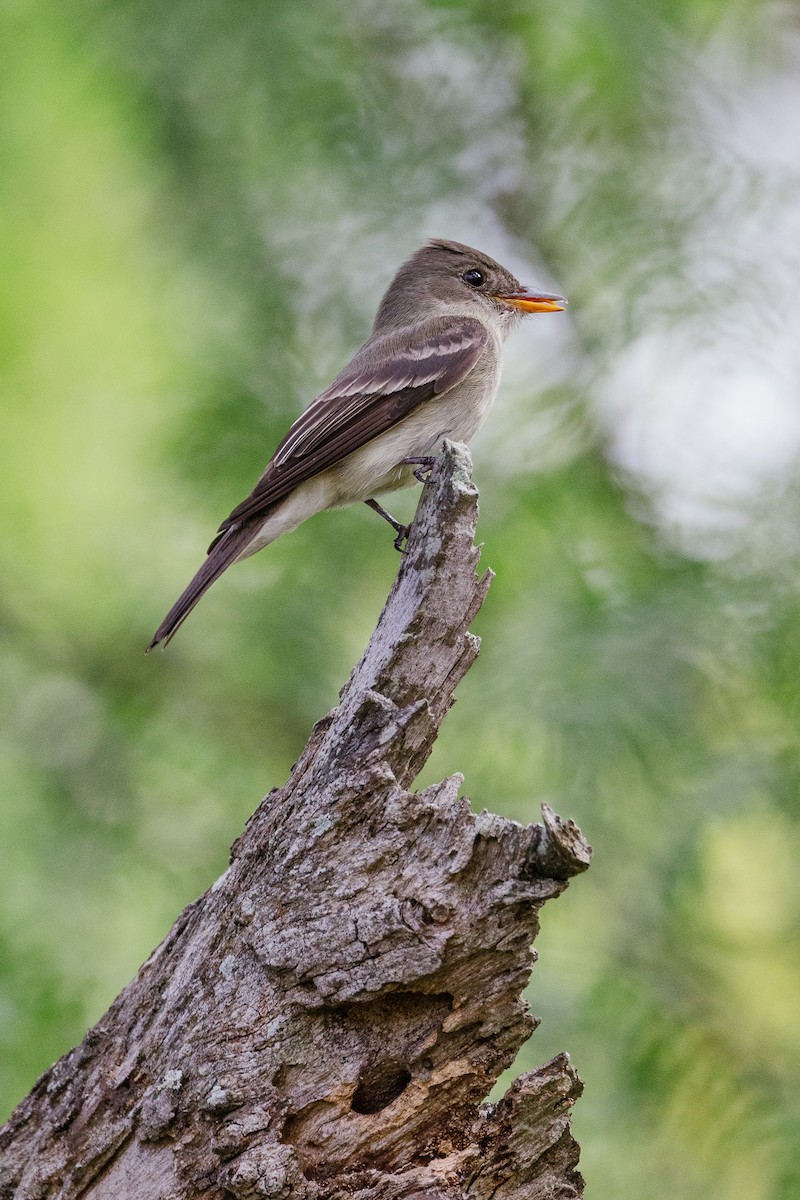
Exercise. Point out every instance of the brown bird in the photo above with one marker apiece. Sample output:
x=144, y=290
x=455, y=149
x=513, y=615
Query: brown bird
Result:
x=428, y=371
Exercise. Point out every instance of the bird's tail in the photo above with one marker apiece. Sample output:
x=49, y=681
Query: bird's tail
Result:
x=221, y=554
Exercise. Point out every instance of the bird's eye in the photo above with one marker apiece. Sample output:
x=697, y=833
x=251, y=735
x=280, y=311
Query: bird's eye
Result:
x=473, y=277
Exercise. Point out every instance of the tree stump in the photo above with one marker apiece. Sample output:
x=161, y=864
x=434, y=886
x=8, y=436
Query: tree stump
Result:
x=327, y=1019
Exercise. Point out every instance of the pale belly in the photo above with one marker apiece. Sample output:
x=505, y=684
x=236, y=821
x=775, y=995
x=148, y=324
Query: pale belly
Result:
x=377, y=467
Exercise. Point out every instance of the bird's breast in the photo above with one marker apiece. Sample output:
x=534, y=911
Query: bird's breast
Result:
x=378, y=466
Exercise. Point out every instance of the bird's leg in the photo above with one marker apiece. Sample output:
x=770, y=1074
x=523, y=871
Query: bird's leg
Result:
x=400, y=530
x=424, y=467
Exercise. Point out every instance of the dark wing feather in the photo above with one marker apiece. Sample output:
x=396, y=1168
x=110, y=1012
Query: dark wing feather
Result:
x=371, y=395
x=367, y=398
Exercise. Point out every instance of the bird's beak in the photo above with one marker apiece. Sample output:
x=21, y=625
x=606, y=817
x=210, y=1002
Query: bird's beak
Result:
x=530, y=300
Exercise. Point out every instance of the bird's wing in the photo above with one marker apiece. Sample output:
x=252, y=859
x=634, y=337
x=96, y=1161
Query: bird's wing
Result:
x=371, y=395
x=367, y=398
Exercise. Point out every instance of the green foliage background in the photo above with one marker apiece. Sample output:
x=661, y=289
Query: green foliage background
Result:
x=201, y=204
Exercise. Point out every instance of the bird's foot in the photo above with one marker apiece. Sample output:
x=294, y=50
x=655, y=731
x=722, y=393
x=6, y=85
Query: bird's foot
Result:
x=424, y=467
x=402, y=536
x=401, y=530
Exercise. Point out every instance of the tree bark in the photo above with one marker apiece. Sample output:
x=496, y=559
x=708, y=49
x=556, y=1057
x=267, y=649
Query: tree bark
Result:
x=327, y=1019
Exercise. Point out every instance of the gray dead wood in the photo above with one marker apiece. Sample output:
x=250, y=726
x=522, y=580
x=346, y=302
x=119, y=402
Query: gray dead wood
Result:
x=327, y=1019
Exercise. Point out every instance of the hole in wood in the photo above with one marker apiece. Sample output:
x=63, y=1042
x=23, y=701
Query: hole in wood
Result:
x=382, y=1084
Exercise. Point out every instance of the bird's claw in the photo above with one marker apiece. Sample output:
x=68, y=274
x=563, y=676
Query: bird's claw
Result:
x=424, y=467
x=402, y=536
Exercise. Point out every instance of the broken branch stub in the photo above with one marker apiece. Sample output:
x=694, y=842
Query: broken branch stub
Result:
x=326, y=1021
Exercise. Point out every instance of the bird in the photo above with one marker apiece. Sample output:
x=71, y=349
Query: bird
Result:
x=429, y=370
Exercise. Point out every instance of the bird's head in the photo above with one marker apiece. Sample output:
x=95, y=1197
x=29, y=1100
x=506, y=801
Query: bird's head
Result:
x=446, y=276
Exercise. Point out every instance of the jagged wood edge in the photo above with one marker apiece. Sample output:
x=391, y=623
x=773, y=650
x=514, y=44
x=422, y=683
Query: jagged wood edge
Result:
x=325, y=1021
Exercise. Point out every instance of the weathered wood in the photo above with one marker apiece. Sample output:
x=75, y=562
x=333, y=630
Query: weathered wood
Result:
x=327, y=1019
